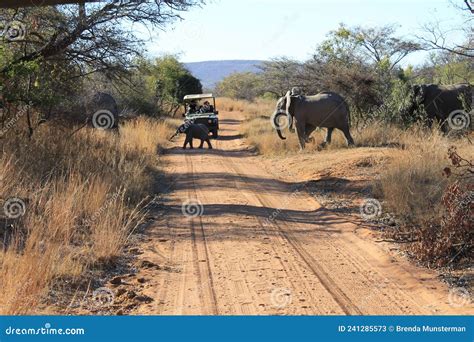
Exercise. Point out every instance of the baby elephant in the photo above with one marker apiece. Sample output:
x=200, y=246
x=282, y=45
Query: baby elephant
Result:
x=196, y=131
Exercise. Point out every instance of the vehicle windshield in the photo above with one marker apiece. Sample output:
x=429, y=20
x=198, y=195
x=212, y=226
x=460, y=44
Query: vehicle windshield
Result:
x=200, y=106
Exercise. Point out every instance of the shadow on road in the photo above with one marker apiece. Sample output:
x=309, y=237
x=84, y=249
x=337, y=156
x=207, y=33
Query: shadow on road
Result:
x=238, y=153
x=319, y=222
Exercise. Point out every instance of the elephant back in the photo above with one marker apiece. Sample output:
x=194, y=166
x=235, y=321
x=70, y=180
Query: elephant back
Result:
x=328, y=108
x=331, y=96
x=199, y=131
x=103, y=102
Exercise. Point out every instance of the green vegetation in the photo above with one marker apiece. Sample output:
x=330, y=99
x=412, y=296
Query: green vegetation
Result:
x=242, y=86
x=363, y=64
x=158, y=86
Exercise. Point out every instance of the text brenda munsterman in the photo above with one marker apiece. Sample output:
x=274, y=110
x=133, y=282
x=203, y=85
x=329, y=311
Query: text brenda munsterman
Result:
x=429, y=328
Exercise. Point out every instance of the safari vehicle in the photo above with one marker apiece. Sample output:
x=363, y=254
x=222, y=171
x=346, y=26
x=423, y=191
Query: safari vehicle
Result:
x=201, y=108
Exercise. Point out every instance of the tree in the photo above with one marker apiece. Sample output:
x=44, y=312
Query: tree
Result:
x=378, y=45
x=96, y=37
x=439, y=38
x=281, y=74
x=339, y=47
x=446, y=68
x=355, y=81
x=381, y=45
x=71, y=43
x=245, y=85
x=338, y=65
x=172, y=81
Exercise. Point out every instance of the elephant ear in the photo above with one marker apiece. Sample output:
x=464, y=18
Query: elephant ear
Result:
x=419, y=91
x=281, y=103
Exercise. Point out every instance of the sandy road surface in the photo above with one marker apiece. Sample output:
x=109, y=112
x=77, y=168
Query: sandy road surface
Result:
x=230, y=259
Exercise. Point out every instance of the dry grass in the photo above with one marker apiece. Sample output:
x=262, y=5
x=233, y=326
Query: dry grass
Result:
x=414, y=188
x=413, y=183
x=260, y=134
x=260, y=107
x=84, y=196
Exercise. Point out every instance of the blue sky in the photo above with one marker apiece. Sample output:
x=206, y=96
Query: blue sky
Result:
x=261, y=29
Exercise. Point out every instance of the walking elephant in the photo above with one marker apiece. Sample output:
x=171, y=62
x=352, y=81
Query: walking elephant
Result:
x=193, y=131
x=95, y=109
x=326, y=109
x=440, y=100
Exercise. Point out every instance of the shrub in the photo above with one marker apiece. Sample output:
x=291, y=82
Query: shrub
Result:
x=242, y=86
x=448, y=240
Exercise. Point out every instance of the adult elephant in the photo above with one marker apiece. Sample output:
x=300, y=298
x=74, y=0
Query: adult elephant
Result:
x=102, y=111
x=440, y=100
x=95, y=108
x=326, y=109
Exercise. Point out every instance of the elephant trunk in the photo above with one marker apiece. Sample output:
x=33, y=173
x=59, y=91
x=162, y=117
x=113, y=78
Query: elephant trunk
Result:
x=290, y=122
x=175, y=134
x=277, y=125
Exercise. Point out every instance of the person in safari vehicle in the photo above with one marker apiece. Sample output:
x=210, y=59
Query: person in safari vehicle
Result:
x=192, y=108
x=207, y=108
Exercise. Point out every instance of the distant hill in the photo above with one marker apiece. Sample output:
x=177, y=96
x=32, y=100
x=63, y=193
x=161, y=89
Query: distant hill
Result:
x=211, y=72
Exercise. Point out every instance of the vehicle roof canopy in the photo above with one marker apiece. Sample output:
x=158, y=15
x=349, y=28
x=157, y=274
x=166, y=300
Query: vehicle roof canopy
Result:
x=198, y=96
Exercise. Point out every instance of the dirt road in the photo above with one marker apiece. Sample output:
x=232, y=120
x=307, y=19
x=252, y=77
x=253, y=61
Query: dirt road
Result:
x=233, y=239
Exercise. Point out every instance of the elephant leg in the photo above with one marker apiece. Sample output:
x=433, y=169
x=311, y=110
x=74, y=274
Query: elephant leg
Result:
x=347, y=134
x=209, y=144
x=429, y=121
x=444, y=125
x=308, y=130
x=202, y=144
x=300, y=130
x=191, y=143
x=186, y=141
x=328, y=135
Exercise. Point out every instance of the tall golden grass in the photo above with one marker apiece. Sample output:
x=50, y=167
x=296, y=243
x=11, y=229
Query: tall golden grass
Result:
x=84, y=195
x=259, y=107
